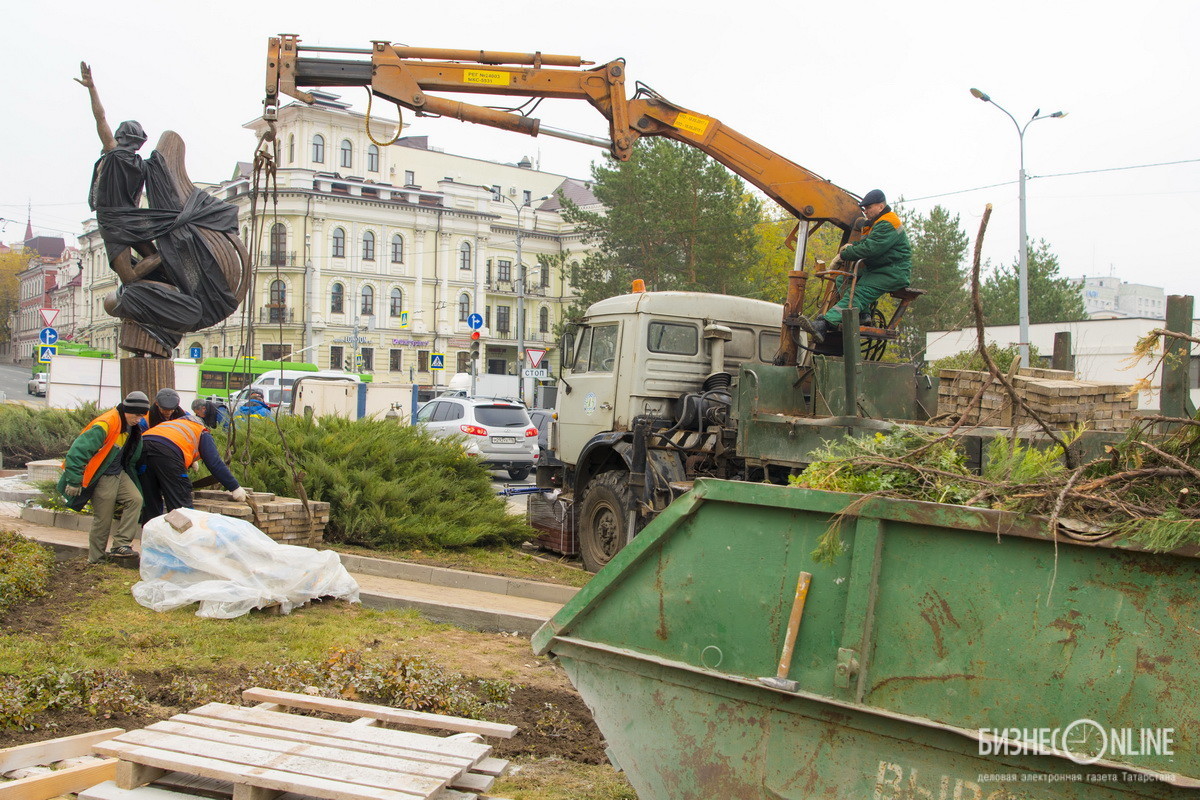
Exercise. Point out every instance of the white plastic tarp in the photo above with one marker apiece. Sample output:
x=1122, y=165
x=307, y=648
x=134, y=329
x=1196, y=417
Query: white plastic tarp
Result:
x=229, y=567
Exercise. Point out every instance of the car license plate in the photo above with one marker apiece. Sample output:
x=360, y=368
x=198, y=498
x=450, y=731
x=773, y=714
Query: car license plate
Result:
x=504, y=440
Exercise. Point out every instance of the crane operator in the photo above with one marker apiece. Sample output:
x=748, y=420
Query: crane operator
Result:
x=887, y=264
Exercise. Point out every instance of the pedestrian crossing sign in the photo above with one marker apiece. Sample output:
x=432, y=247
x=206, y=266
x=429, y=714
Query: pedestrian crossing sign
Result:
x=437, y=360
x=403, y=319
x=47, y=352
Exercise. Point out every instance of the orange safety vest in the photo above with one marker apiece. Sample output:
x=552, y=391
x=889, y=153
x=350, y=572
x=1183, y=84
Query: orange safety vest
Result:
x=112, y=423
x=184, y=433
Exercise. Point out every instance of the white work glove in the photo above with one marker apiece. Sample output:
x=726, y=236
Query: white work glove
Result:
x=72, y=491
x=238, y=494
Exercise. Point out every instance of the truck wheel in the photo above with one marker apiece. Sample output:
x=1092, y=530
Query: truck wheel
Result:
x=519, y=474
x=608, y=506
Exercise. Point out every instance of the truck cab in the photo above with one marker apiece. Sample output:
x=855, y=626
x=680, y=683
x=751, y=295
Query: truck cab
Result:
x=644, y=396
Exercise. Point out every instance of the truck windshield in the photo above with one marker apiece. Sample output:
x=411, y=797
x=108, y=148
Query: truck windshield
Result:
x=597, y=349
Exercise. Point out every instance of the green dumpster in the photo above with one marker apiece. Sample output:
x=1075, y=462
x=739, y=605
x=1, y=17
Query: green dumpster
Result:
x=950, y=653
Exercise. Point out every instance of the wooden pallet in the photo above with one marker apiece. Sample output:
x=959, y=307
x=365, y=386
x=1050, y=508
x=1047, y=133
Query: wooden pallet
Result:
x=261, y=753
x=59, y=782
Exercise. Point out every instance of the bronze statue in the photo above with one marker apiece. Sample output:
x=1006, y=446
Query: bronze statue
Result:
x=180, y=261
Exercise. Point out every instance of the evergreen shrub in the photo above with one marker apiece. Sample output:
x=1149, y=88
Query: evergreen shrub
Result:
x=388, y=486
x=35, y=434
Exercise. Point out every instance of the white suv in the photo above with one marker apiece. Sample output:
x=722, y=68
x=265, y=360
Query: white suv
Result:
x=497, y=431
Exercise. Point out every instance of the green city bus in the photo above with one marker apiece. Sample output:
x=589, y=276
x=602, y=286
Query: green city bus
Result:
x=224, y=377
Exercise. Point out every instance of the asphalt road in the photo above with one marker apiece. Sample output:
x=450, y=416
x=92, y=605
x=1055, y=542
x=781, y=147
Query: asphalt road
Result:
x=14, y=383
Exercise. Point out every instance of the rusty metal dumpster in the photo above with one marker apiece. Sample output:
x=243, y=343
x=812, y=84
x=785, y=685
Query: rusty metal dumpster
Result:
x=950, y=653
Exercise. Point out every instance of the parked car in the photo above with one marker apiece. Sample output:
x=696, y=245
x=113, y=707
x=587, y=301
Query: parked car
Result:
x=38, y=383
x=498, y=432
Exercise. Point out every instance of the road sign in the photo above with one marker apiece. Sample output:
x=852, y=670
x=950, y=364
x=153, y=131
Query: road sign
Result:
x=475, y=322
x=195, y=352
x=535, y=355
x=48, y=316
x=48, y=336
x=437, y=360
x=535, y=373
x=403, y=319
x=46, y=352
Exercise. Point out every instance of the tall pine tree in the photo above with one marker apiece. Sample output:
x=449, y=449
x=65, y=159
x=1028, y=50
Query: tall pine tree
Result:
x=1052, y=297
x=672, y=217
x=939, y=250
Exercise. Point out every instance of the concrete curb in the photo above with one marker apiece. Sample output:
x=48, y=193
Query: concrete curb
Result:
x=458, y=579
x=66, y=520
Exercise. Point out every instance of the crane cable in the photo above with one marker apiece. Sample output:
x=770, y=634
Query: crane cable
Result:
x=399, y=121
x=265, y=180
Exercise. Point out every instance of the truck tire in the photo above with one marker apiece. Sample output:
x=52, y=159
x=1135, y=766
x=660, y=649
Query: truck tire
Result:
x=608, y=506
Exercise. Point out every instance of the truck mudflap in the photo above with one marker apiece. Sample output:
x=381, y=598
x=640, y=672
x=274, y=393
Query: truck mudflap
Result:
x=948, y=653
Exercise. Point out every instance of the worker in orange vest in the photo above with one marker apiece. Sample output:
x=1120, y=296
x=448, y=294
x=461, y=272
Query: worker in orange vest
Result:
x=101, y=466
x=171, y=449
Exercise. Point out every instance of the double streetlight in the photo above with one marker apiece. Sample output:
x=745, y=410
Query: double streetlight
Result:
x=520, y=291
x=1023, y=272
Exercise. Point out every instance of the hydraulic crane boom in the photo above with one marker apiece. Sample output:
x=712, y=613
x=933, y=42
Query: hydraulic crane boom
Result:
x=406, y=76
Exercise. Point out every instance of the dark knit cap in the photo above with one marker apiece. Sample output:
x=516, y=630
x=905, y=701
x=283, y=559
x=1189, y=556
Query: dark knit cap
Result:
x=136, y=403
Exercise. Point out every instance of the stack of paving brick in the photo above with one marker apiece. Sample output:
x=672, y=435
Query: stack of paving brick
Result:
x=1054, y=395
x=282, y=518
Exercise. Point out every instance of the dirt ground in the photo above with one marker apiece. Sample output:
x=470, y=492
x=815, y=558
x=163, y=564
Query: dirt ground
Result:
x=552, y=719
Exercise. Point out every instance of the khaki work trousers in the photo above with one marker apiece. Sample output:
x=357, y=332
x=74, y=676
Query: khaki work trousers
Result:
x=110, y=491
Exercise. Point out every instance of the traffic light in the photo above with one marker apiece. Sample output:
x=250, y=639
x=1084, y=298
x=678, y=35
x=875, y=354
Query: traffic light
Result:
x=476, y=344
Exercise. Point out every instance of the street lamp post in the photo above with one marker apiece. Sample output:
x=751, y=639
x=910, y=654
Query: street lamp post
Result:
x=1023, y=268
x=520, y=292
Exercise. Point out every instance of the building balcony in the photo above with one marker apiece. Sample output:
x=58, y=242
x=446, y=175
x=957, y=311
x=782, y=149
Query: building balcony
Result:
x=277, y=259
x=276, y=314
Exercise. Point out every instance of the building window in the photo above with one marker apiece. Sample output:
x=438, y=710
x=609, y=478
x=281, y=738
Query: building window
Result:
x=339, y=243
x=545, y=276
x=487, y=316
x=368, y=246
x=337, y=358
x=396, y=303
x=410, y=178
x=395, y=360
x=276, y=352
x=368, y=301
x=347, y=153
x=464, y=255
x=496, y=196
x=397, y=249
x=337, y=298
x=544, y=320
x=464, y=362
x=372, y=159
x=216, y=351
x=278, y=244
x=292, y=149
x=422, y=361
x=366, y=357
x=319, y=149
x=502, y=313
x=464, y=307
x=526, y=197
x=504, y=271
x=278, y=304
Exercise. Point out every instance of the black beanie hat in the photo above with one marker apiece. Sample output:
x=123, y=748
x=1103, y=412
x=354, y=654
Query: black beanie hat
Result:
x=136, y=403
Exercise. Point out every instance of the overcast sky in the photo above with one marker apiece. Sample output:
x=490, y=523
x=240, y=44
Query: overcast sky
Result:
x=869, y=95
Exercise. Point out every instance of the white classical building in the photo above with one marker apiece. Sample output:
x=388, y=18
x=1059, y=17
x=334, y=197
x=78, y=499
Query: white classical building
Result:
x=375, y=255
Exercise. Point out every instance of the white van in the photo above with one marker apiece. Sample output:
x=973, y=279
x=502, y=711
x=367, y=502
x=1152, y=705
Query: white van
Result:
x=276, y=385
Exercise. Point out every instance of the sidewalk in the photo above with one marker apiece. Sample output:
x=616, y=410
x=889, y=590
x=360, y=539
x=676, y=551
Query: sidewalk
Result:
x=467, y=599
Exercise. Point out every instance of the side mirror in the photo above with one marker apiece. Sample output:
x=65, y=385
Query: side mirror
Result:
x=567, y=350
